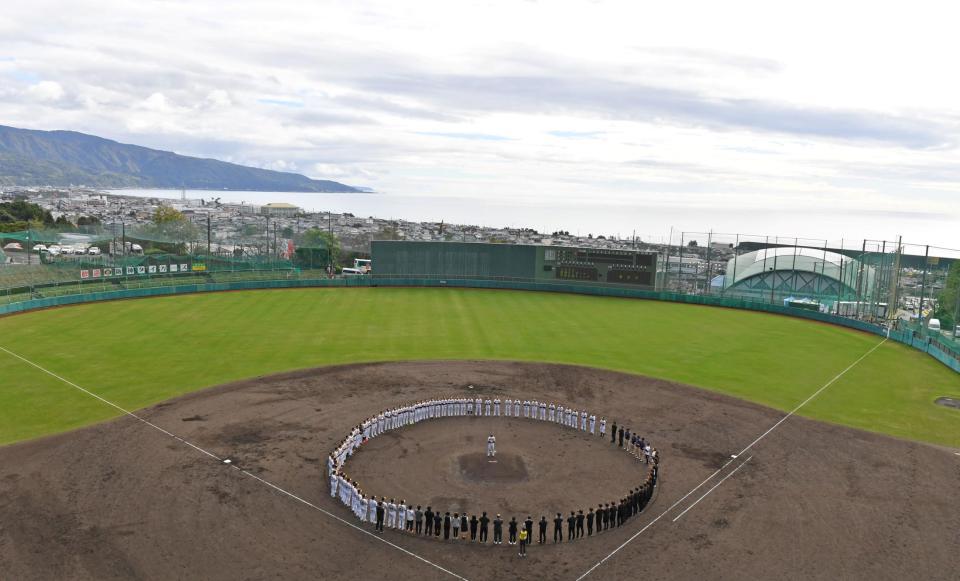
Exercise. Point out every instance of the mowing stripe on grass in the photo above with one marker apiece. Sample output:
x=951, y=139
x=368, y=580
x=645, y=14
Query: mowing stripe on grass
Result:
x=234, y=466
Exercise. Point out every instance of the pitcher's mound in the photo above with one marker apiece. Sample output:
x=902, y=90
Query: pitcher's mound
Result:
x=477, y=467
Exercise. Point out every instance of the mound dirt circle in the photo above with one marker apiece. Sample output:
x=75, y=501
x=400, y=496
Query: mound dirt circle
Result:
x=504, y=468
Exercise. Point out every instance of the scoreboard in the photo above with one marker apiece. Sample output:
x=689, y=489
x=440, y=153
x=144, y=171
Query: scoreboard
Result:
x=629, y=267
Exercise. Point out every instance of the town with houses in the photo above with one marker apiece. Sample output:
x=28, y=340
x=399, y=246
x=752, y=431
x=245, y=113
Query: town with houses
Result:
x=231, y=221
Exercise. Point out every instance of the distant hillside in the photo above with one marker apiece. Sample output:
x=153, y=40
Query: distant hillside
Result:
x=63, y=158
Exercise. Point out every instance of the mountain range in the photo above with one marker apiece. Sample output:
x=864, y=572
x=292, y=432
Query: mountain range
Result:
x=64, y=158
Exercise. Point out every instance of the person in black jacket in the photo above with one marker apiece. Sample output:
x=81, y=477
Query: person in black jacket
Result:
x=528, y=524
x=612, y=514
x=590, y=522
x=446, y=526
x=603, y=517
x=463, y=526
x=498, y=530
x=543, y=529
x=513, y=530
x=613, y=433
x=380, y=512
x=620, y=436
x=484, y=527
x=571, y=523
x=418, y=520
x=437, y=521
x=558, y=529
x=473, y=527
x=429, y=517
x=579, y=523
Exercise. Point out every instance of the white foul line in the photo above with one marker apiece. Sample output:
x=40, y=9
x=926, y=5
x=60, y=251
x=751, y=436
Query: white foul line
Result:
x=732, y=472
x=712, y=476
x=234, y=466
x=815, y=394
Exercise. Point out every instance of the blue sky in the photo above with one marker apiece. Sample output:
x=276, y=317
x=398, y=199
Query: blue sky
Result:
x=732, y=120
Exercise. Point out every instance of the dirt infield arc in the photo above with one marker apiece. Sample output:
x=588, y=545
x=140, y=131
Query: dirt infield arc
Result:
x=116, y=501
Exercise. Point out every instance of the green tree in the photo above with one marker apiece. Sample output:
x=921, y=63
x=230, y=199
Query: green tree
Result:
x=317, y=238
x=166, y=214
x=947, y=300
x=23, y=211
x=62, y=223
x=170, y=230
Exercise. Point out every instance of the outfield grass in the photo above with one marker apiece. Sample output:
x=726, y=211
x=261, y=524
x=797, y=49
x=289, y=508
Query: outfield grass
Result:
x=139, y=352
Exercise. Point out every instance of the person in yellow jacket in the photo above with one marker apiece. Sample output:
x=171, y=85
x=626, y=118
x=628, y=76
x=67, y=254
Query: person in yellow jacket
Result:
x=523, y=542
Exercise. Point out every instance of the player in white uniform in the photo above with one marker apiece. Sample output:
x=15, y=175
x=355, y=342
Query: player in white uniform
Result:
x=372, y=510
x=553, y=412
x=496, y=407
x=543, y=411
x=479, y=406
x=516, y=407
x=593, y=424
x=583, y=421
x=561, y=417
x=603, y=427
x=491, y=446
x=391, y=514
x=487, y=407
x=509, y=403
x=334, y=482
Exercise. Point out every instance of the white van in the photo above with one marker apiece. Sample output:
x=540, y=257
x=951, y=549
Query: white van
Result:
x=352, y=272
x=933, y=324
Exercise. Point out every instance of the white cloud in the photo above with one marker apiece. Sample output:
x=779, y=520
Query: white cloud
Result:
x=45, y=91
x=745, y=106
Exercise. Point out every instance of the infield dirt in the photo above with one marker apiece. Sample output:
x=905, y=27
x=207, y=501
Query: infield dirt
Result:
x=121, y=500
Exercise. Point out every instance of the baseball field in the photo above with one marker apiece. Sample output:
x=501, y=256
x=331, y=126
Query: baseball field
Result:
x=860, y=487
x=140, y=352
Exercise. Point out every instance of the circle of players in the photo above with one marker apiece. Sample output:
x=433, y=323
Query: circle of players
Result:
x=391, y=514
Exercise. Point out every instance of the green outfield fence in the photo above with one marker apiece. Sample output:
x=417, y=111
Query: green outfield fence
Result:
x=939, y=348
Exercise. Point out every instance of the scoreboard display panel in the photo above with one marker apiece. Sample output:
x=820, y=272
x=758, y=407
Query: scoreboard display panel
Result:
x=628, y=267
x=630, y=277
x=577, y=273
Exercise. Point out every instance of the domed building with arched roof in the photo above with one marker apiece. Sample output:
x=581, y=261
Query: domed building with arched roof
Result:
x=780, y=272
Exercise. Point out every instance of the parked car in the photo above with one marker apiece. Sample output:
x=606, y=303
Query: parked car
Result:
x=352, y=272
x=40, y=248
x=933, y=324
x=55, y=250
x=956, y=332
x=93, y=250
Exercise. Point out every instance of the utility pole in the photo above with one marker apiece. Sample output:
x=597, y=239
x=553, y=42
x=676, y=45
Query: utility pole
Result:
x=773, y=276
x=208, y=233
x=956, y=309
x=840, y=286
x=895, y=278
x=680, y=267
x=923, y=289
x=707, y=285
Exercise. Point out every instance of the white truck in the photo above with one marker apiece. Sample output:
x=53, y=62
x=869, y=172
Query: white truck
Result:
x=363, y=264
